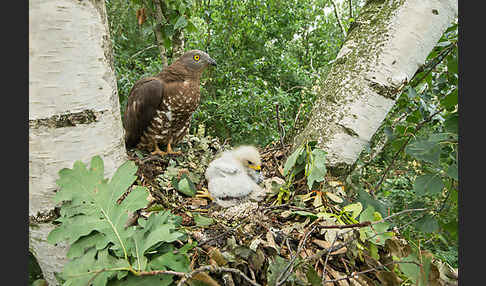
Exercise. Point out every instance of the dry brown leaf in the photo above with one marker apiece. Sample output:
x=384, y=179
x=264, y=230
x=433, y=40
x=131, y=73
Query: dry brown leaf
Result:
x=197, y=202
x=334, y=197
x=337, y=275
x=216, y=255
x=387, y=278
x=280, y=170
x=303, y=254
x=271, y=241
x=326, y=245
x=205, y=278
x=309, y=252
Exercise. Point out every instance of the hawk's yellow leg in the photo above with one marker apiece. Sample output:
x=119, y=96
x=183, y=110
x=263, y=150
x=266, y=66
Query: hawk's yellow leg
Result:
x=161, y=153
x=204, y=194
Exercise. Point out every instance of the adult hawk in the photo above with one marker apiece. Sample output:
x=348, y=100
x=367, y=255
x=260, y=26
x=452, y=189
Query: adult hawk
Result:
x=159, y=108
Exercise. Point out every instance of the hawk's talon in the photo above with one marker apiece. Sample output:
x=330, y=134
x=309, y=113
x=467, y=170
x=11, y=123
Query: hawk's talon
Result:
x=157, y=151
x=172, y=152
x=204, y=194
x=161, y=153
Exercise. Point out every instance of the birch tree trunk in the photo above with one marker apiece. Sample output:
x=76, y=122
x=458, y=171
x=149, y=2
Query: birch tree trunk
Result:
x=384, y=48
x=74, y=112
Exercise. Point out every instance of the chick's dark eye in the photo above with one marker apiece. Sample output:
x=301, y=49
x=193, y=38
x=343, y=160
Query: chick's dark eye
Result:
x=249, y=162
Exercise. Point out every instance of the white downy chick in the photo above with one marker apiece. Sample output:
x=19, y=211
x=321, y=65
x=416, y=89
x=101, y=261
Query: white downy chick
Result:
x=234, y=176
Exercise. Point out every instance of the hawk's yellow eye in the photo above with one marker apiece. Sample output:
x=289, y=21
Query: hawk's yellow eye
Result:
x=196, y=58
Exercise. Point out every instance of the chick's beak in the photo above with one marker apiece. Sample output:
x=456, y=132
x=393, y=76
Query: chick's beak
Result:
x=255, y=167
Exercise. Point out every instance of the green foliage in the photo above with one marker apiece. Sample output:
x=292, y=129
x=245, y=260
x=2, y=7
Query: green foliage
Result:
x=201, y=220
x=419, y=270
x=268, y=52
x=184, y=185
x=310, y=160
x=102, y=248
x=274, y=52
x=377, y=233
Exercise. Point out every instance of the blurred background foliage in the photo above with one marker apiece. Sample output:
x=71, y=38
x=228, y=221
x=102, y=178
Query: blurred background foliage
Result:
x=267, y=52
x=274, y=52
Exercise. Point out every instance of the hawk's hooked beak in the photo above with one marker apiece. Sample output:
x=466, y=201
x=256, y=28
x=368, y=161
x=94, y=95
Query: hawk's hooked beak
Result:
x=255, y=167
x=212, y=62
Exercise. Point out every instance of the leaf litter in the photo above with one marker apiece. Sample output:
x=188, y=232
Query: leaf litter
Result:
x=282, y=240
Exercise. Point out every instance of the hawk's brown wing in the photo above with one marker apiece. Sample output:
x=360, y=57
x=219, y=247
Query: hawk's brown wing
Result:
x=143, y=102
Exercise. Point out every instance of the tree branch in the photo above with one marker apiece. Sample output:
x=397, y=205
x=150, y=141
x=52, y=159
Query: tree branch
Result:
x=161, y=21
x=143, y=50
x=350, y=9
x=417, y=128
x=281, y=131
x=344, y=244
x=444, y=54
x=338, y=18
x=290, y=265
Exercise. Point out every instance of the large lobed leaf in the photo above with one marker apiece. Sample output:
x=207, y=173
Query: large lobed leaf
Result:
x=91, y=202
x=93, y=223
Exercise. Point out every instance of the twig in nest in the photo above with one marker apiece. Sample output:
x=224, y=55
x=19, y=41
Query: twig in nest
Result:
x=344, y=244
x=225, y=232
x=327, y=258
x=216, y=269
x=289, y=268
x=152, y=158
x=354, y=275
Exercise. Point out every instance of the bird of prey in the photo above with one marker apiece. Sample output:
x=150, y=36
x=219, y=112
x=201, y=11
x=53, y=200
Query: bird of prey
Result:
x=159, y=108
x=234, y=176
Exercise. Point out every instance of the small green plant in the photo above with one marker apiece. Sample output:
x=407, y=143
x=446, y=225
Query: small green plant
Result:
x=308, y=159
x=103, y=250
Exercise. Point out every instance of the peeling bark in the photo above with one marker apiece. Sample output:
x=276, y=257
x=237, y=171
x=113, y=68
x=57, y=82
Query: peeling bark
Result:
x=384, y=48
x=73, y=108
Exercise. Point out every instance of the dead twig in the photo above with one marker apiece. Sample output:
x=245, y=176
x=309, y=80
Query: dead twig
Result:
x=289, y=268
x=152, y=158
x=344, y=244
x=281, y=131
x=215, y=269
x=350, y=9
x=232, y=229
x=354, y=275
x=143, y=50
x=327, y=258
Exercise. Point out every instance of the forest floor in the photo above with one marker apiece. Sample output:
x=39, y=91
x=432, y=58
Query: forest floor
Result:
x=282, y=240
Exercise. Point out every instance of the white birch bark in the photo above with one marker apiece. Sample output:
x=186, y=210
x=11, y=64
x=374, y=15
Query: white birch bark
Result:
x=74, y=113
x=389, y=42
